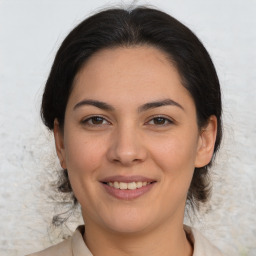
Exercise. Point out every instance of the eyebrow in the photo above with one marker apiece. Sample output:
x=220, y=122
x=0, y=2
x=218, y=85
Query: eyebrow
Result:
x=96, y=103
x=156, y=104
x=105, y=106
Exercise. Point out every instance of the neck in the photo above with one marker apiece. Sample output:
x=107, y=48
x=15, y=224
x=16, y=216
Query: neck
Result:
x=165, y=240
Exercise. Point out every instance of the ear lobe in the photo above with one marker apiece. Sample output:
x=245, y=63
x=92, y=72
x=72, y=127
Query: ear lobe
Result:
x=206, y=143
x=59, y=143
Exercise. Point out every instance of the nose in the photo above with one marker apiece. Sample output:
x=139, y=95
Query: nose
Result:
x=126, y=147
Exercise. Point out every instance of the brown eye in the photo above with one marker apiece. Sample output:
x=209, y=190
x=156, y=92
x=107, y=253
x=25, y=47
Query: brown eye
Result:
x=95, y=120
x=159, y=121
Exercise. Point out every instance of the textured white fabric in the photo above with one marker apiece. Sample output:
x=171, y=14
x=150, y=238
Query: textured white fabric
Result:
x=202, y=246
x=75, y=246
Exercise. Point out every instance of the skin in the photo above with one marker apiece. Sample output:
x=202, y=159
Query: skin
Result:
x=128, y=140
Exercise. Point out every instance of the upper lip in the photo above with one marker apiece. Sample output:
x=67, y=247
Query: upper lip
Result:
x=127, y=179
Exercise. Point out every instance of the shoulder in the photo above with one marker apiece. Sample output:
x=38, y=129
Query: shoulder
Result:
x=202, y=246
x=73, y=246
x=62, y=249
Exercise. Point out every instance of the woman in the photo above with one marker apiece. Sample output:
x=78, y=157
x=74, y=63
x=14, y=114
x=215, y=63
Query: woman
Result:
x=135, y=105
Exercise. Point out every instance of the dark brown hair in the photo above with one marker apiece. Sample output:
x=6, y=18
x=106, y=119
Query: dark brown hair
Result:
x=127, y=28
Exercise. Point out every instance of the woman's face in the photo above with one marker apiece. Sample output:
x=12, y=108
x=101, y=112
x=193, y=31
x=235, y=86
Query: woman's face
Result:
x=131, y=140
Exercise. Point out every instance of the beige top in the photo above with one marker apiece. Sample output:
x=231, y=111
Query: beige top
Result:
x=75, y=246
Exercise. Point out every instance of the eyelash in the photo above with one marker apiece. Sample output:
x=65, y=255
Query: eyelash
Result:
x=87, y=121
x=166, y=120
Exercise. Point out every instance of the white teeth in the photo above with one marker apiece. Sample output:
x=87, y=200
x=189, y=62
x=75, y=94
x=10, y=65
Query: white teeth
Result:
x=123, y=185
x=131, y=185
x=139, y=184
x=116, y=184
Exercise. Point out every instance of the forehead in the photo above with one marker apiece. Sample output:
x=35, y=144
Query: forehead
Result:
x=126, y=73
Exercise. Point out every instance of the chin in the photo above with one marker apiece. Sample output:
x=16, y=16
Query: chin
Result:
x=128, y=222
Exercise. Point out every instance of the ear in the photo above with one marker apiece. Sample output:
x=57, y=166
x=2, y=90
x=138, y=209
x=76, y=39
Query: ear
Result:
x=206, y=142
x=59, y=143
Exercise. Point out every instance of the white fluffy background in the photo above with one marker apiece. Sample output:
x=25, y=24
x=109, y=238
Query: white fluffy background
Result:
x=30, y=33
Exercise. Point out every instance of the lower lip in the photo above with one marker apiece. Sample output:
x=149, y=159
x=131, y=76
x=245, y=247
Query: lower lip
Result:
x=127, y=194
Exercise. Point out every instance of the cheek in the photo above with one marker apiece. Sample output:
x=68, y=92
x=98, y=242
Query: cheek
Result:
x=175, y=156
x=181, y=150
x=83, y=154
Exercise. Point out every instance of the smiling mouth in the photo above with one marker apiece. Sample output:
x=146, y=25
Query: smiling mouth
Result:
x=128, y=186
